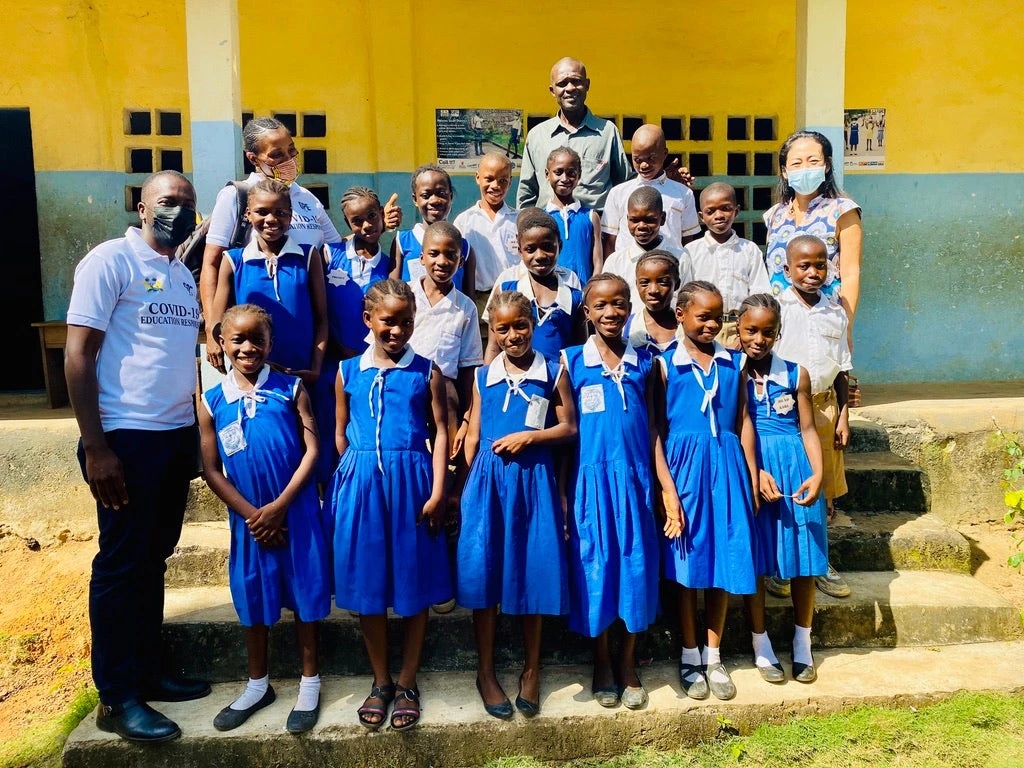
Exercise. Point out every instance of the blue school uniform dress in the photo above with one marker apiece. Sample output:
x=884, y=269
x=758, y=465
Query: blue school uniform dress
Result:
x=553, y=324
x=793, y=537
x=383, y=558
x=281, y=287
x=635, y=332
x=613, y=541
x=410, y=244
x=512, y=548
x=260, y=449
x=717, y=548
x=576, y=232
x=347, y=276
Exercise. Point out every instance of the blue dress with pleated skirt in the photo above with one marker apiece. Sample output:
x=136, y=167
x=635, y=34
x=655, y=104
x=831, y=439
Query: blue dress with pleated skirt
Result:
x=718, y=547
x=613, y=540
x=511, y=547
x=260, y=450
x=793, y=537
x=384, y=555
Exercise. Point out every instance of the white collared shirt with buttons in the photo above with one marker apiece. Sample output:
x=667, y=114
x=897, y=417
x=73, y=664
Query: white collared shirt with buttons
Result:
x=736, y=267
x=146, y=305
x=814, y=337
x=623, y=263
x=677, y=199
x=521, y=275
x=495, y=243
x=446, y=333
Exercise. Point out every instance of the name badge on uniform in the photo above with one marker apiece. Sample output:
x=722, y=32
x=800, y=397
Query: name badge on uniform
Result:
x=232, y=439
x=783, y=404
x=512, y=243
x=592, y=398
x=537, y=412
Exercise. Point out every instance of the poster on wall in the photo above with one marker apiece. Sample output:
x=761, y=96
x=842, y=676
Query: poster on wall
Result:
x=464, y=135
x=864, y=135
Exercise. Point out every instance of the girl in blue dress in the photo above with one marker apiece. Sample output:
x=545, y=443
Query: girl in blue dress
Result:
x=653, y=326
x=613, y=542
x=579, y=228
x=709, y=445
x=387, y=496
x=283, y=277
x=260, y=447
x=511, y=549
x=791, y=523
x=350, y=267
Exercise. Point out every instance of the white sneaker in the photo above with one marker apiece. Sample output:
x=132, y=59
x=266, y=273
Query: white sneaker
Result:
x=832, y=584
x=773, y=585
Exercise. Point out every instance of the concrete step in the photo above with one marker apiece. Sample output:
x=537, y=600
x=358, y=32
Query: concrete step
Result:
x=866, y=436
x=881, y=481
x=455, y=731
x=886, y=609
x=880, y=541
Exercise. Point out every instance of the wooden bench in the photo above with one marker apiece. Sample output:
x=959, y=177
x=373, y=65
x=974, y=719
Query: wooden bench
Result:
x=53, y=337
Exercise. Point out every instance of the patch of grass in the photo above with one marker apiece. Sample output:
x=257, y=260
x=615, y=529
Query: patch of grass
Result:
x=40, y=746
x=968, y=730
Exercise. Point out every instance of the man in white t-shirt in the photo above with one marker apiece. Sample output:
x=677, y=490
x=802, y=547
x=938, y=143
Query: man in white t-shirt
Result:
x=130, y=364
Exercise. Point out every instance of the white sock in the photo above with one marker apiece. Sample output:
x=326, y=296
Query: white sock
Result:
x=254, y=691
x=764, y=654
x=691, y=656
x=802, y=645
x=712, y=658
x=309, y=694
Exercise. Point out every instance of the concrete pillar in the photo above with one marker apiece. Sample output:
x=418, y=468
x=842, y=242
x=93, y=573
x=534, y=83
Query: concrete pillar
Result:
x=821, y=71
x=215, y=96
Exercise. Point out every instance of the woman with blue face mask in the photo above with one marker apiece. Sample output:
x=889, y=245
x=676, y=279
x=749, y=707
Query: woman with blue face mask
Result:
x=811, y=203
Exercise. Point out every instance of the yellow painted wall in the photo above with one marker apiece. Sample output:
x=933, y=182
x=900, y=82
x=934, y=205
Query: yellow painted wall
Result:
x=950, y=75
x=77, y=64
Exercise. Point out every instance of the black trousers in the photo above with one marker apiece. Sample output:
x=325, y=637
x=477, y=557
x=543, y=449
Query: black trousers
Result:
x=126, y=590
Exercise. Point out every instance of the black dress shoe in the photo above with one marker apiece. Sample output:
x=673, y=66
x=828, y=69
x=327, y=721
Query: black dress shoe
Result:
x=166, y=688
x=300, y=722
x=228, y=719
x=135, y=720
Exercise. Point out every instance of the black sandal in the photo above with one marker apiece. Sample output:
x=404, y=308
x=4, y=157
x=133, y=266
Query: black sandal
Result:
x=386, y=693
x=412, y=695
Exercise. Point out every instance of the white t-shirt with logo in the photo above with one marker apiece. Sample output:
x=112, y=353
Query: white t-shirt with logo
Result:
x=146, y=305
x=310, y=223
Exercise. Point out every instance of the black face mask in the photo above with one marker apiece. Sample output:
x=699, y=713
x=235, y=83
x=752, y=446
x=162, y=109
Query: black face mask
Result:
x=172, y=226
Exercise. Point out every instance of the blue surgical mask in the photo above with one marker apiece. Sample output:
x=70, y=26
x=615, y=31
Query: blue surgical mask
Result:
x=805, y=181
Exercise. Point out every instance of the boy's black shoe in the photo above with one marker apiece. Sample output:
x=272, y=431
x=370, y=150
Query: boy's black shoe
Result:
x=135, y=720
x=166, y=688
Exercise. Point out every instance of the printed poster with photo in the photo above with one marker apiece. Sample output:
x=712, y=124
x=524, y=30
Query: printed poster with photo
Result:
x=864, y=136
x=464, y=135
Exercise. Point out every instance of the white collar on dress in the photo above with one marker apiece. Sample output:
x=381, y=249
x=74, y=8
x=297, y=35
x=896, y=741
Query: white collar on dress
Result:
x=592, y=355
x=777, y=371
x=232, y=392
x=252, y=250
x=496, y=373
x=553, y=206
x=682, y=357
x=563, y=298
x=355, y=258
x=366, y=359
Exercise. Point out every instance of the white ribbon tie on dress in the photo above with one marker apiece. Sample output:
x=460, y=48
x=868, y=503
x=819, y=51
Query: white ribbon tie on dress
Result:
x=707, y=405
x=377, y=413
x=617, y=376
x=513, y=389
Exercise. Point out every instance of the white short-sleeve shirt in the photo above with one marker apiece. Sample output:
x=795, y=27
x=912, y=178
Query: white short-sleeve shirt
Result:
x=623, y=263
x=680, y=210
x=736, y=267
x=146, y=306
x=447, y=333
x=495, y=243
x=814, y=337
x=310, y=223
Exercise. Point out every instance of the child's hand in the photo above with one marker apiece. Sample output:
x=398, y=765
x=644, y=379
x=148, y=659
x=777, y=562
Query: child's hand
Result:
x=767, y=486
x=267, y=521
x=678, y=172
x=565, y=515
x=214, y=354
x=808, y=492
x=392, y=213
x=434, y=512
x=842, y=433
x=512, y=444
x=674, y=519
x=460, y=439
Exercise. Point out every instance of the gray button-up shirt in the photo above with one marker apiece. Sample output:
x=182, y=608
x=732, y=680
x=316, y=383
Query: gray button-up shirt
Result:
x=600, y=148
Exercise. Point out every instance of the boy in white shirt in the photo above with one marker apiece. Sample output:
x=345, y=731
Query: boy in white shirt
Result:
x=645, y=217
x=649, y=153
x=734, y=265
x=813, y=334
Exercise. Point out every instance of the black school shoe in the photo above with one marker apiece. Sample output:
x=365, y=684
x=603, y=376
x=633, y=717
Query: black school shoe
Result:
x=166, y=688
x=135, y=720
x=300, y=722
x=228, y=719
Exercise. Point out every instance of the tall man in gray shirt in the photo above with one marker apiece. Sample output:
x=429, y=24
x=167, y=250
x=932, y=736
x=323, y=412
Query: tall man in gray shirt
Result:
x=596, y=140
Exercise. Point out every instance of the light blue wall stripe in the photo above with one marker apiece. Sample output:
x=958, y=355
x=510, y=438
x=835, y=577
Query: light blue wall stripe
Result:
x=216, y=158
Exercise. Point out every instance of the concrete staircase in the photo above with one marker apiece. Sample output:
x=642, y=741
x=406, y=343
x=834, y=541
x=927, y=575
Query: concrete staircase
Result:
x=913, y=597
